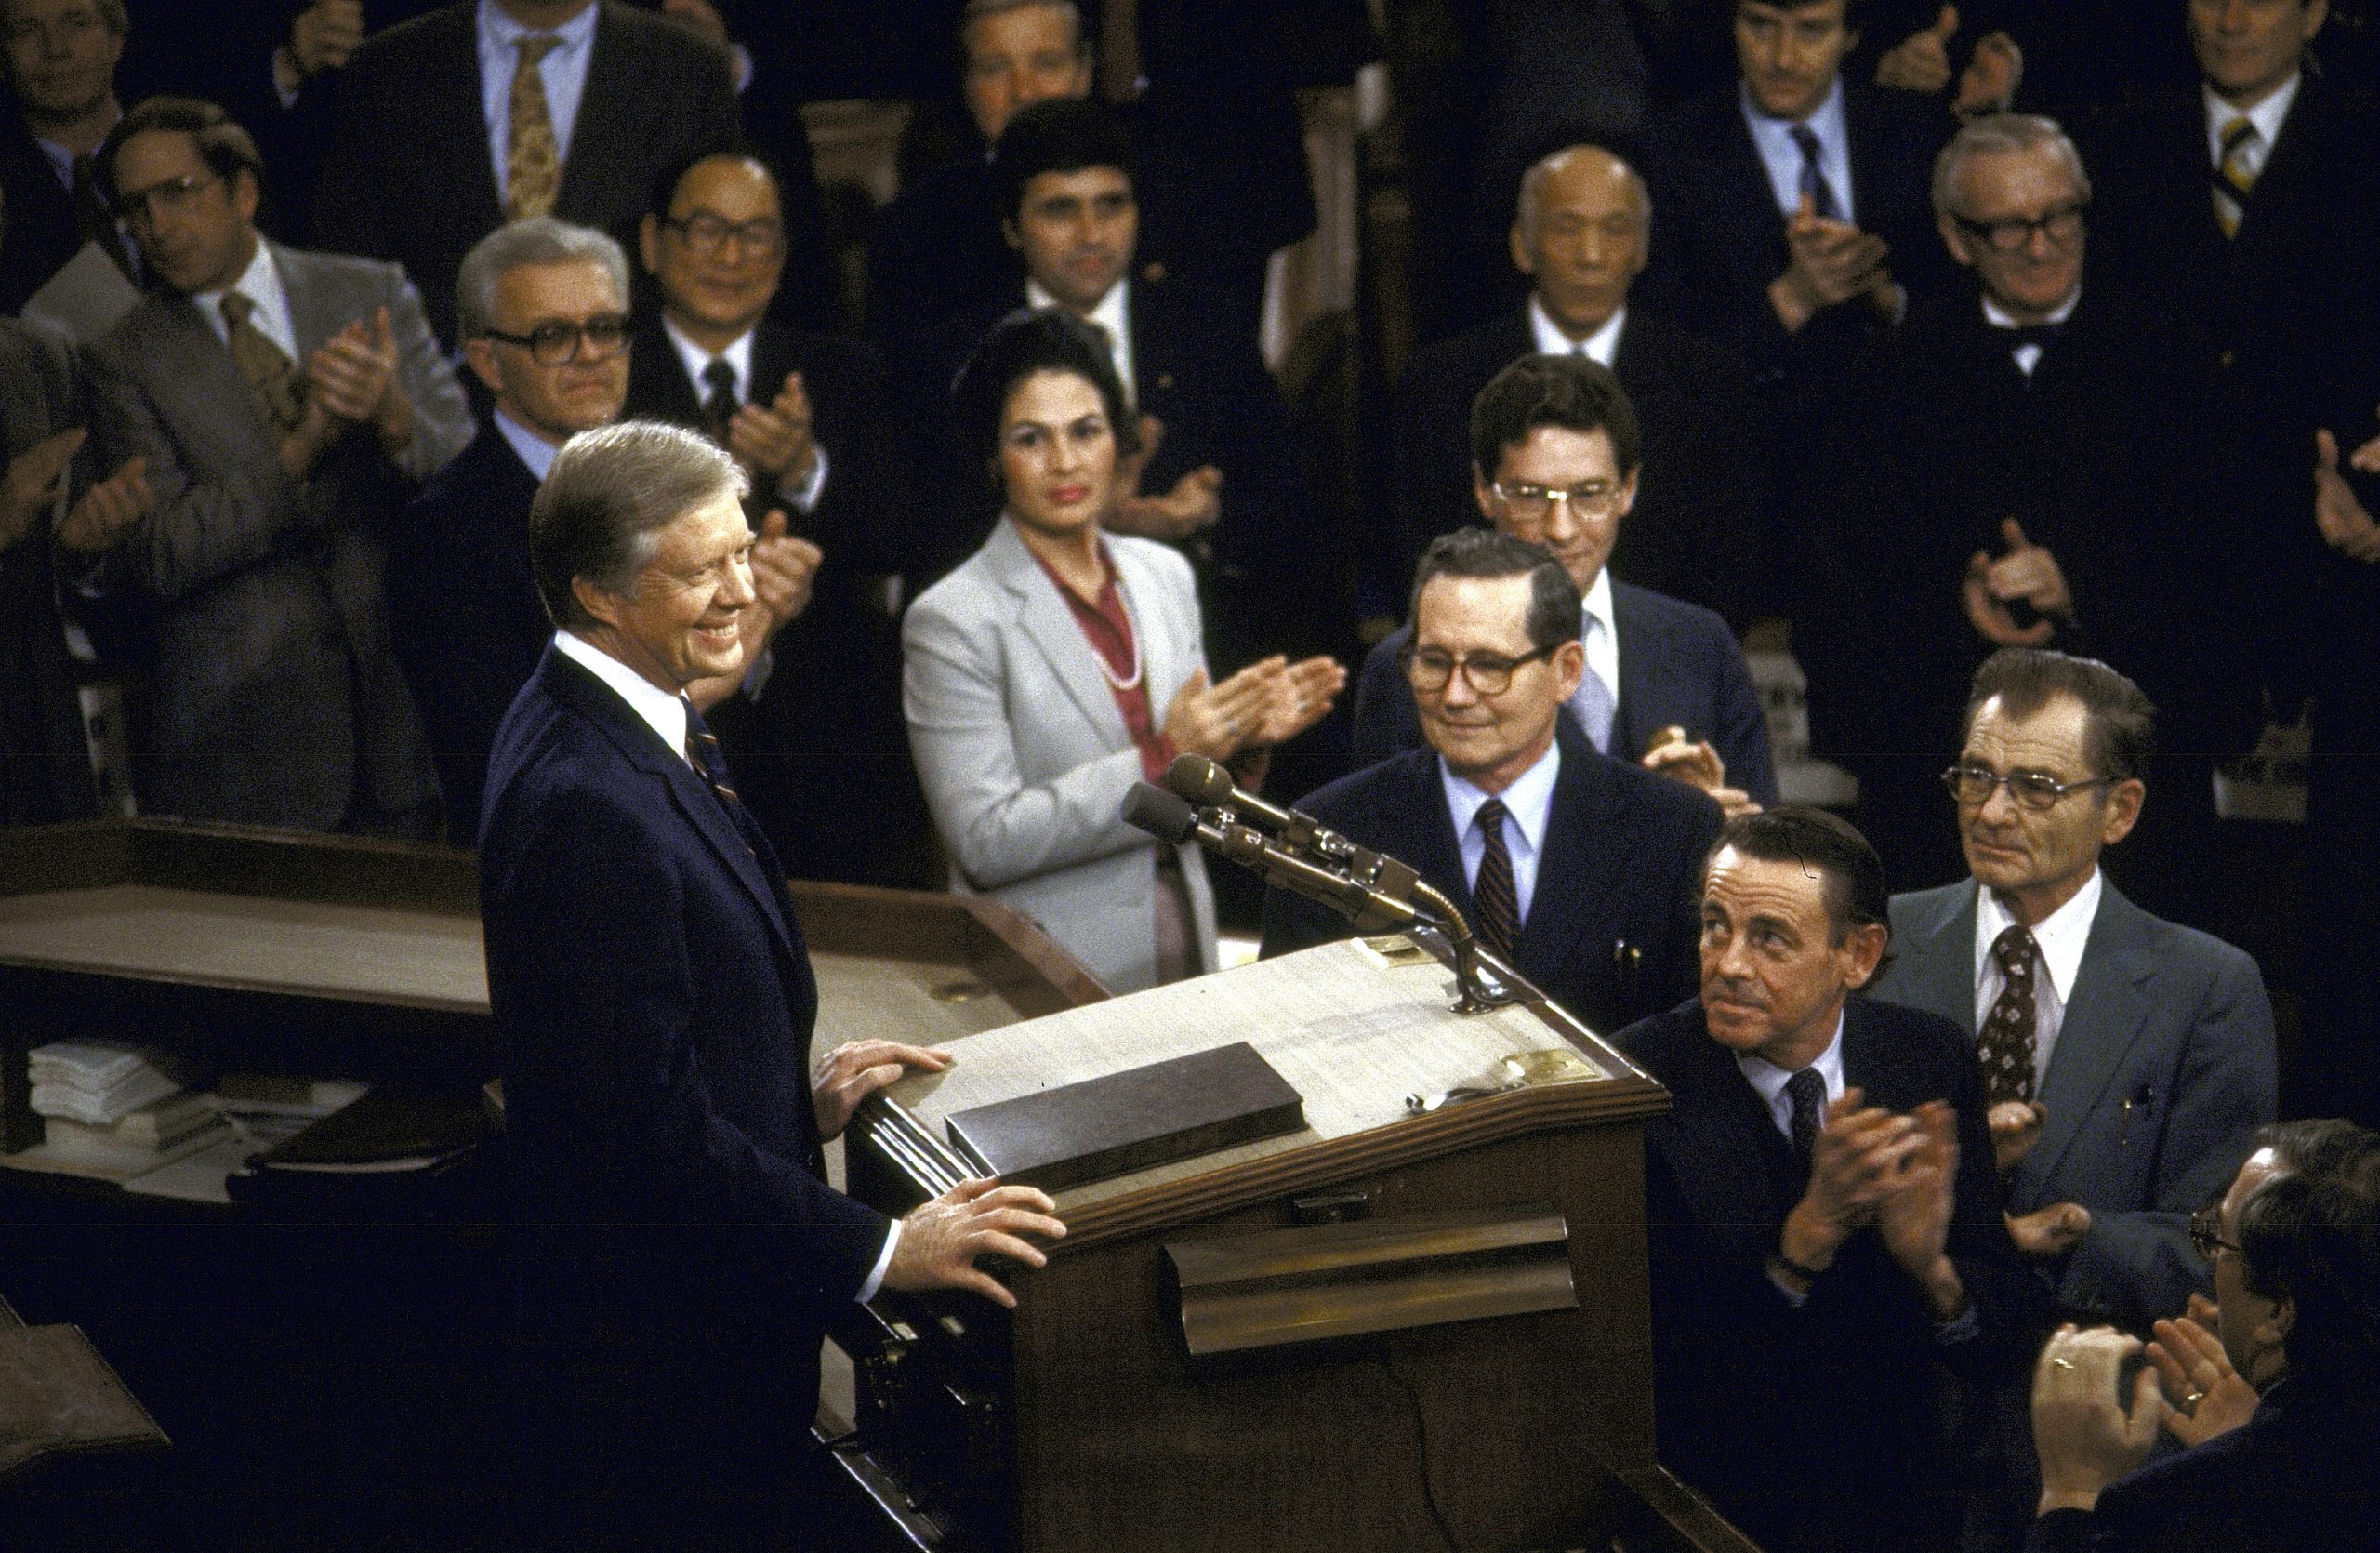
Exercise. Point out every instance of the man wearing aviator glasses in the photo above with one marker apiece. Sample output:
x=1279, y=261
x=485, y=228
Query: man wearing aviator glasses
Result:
x=2128, y=1060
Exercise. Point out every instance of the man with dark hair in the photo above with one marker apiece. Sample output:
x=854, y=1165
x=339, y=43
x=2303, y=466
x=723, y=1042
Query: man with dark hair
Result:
x=1573, y=866
x=804, y=415
x=2276, y=1404
x=62, y=56
x=1990, y=478
x=1555, y=461
x=682, y=1251
x=1218, y=477
x=284, y=403
x=1581, y=236
x=2127, y=1060
x=449, y=125
x=1822, y=1237
x=1792, y=202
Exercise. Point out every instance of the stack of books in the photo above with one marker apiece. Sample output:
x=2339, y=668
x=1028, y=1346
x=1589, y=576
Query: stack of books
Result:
x=96, y=1082
x=116, y=1111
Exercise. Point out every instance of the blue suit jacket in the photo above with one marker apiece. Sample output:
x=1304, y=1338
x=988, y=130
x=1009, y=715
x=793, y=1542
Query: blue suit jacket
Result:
x=2161, y=1073
x=655, y=1003
x=1777, y=1411
x=1611, y=930
x=1678, y=664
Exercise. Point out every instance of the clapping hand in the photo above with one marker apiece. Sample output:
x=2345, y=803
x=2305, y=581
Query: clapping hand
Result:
x=102, y=515
x=1915, y=1217
x=772, y=441
x=2050, y=1232
x=2204, y=1396
x=2344, y=525
x=783, y=567
x=1921, y=62
x=2084, y=1435
x=1217, y=721
x=35, y=481
x=323, y=37
x=2016, y=1126
x=2027, y=572
x=1698, y=764
x=1301, y=695
x=1855, y=1164
x=1831, y=262
x=352, y=379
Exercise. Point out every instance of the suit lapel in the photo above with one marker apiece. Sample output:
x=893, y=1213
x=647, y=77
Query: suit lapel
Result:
x=1941, y=961
x=1576, y=875
x=2103, y=1018
x=310, y=311
x=1637, y=669
x=658, y=383
x=453, y=116
x=1162, y=670
x=601, y=139
x=1050, y=623
x=642, y=749
x=1745, y=181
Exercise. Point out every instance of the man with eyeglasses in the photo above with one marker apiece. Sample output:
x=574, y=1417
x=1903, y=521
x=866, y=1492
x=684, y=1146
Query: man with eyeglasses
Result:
x=284, y=403
x=2128, y=1060
x=1993, y=476
x=804, y=414
x=1578, y=869
x=544, y=315
x=1555, y=461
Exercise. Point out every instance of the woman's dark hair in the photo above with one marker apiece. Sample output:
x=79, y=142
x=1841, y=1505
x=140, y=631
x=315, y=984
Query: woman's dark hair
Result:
x=1031, y=340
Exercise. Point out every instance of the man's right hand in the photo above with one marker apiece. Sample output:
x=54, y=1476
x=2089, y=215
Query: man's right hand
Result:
x=941, y=1240
x=323, y=34
x=35, y=481
x=2016, y=1126
x=1831, y=262
x=1855, y=1164
x=2047, y=1233
x=2030, y=573
x=2344, y=525
x=102, y=515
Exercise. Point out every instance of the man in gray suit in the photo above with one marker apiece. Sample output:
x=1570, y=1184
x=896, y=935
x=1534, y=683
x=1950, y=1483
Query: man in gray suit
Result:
x=2128, y=1060
x=285, y=403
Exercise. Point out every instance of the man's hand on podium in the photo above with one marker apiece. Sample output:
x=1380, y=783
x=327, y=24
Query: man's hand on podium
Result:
x=857, y=1069
x=941, y=1240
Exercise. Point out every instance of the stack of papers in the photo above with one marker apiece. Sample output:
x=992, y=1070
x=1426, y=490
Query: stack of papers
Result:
x=98, y=1082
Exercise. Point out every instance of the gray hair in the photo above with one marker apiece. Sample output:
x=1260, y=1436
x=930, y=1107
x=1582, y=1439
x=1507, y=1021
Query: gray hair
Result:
x=605, y=501
x=1553, y=604
x=2002, y=135
x=1533, y=186
x=517, y=246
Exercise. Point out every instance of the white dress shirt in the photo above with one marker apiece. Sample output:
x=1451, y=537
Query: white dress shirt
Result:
x=1774, y=140
x=800, y=492
x=1770, y=1080
x=1113, y=315
x=535, y=451
x=564, y=72
x=1598, y=347
x=2266, y=115
x=2060, y=937
x=1528, y=806
x=667, y=716
x=260, y=284
x=2029, y=356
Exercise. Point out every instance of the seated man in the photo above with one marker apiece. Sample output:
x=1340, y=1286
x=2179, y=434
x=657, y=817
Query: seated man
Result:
x=1575, y=868
x=284, y=403
x=2127, y=1060
x=1579, y=235
x=1823, y=1236
x=804, y=414
x=545, y=331
x=2276, y=1404
x=1554, y=445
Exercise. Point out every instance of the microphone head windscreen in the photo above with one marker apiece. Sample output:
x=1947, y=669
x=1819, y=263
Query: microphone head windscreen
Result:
x=1200, y=781
x=1160, y=812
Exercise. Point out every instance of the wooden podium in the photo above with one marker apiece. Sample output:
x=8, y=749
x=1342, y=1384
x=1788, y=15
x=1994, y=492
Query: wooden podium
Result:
x=1403, y=1326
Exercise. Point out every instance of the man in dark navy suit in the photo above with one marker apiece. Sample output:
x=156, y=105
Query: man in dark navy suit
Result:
x=1581, y=236
x=1824, y=1222
x=680, y=1251
x=804, y=414
x=1555, y=461
x=1577, y=869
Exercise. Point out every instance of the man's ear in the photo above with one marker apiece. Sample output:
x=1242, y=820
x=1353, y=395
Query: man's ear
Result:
x=1523, y=260
x=648, y=243
x=1954, y=239
x=1863, y=951
x=2124, y=800
x=596, y=601
x=480, y=356
x=1628, y=493
x=1569, y=667
x=2274, y=1329
x=1481, y=494
x=1008, y=230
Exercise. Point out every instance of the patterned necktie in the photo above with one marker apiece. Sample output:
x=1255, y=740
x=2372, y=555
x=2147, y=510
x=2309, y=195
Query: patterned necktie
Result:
x=1814, y=182
x=1592, y=703
x=720, y=404
x=1493, y=899
x=1807, y=1091
x=709, y=762
x=2006, y=1044
x=94, y=221
x=272, y=375
x=532, y=157
x=2235, y=174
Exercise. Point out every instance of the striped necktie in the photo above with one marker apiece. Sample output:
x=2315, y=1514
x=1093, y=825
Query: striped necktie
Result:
x=1822, y=201
x=2235, y=174
x=1493, y=899
x=1807, y=1091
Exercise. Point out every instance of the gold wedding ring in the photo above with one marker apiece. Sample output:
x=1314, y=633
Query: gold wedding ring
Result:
x=2061, y=1362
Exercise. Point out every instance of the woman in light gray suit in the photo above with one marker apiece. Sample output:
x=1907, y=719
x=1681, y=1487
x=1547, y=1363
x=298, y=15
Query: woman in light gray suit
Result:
x=1060, y=665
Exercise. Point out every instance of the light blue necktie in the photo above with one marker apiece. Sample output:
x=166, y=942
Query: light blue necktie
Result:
x=1592, y=703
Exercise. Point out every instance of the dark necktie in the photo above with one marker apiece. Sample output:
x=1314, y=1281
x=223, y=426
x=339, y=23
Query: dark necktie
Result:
x=2006, y=1044
x=1807, y=1091
x=96, y=221
x=1493, y=898
x=720, y=404
x=270, y=375
x=703, y=750
x=1814, y=182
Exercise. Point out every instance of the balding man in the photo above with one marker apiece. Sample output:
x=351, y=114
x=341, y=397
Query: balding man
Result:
x=1579, y=235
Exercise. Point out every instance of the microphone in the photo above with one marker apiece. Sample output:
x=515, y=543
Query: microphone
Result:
x=1170, y=818
x=1206, y=784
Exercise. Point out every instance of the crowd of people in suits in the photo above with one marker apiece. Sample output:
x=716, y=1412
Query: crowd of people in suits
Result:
x=2014, y=365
